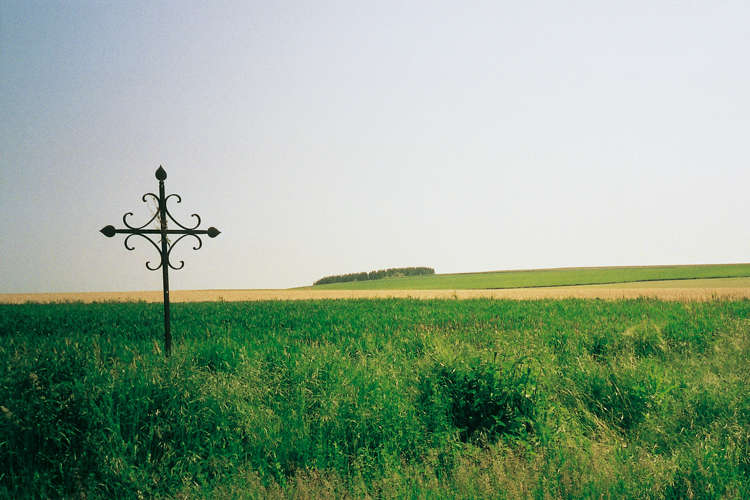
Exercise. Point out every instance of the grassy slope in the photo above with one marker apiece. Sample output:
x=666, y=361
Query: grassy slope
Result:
x=548, y=278
x=688, y=283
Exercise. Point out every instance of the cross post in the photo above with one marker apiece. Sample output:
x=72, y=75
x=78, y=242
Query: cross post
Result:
x=165, y=246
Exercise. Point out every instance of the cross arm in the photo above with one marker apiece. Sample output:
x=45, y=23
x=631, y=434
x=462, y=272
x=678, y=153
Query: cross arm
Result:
x=110, y=231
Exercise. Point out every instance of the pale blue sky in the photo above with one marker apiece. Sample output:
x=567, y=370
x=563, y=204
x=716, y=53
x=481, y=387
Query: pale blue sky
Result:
x=334, y=137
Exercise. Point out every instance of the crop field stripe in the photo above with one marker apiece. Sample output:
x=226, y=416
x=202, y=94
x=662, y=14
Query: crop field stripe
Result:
x=549, y=278
x=657, y=290
x=683, y=283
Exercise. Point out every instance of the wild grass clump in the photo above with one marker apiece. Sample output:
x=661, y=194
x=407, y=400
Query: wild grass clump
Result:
x=484, y=400
x=393, y=398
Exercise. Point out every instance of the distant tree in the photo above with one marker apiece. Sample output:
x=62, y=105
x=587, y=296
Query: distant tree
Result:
x=376, y=275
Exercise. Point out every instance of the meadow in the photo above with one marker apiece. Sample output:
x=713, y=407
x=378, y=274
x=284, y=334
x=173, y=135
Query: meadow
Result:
x=379, y=398
x=670, y=275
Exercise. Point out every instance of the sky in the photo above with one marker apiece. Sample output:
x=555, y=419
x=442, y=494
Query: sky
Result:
x=326, y=138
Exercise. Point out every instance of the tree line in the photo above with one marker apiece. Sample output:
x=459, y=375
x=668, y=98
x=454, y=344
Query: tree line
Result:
x=398, y=272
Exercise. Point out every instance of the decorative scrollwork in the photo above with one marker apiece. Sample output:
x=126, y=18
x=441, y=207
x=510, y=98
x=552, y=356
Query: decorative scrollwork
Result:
x=171, y=246
x=168, y=214
x=152, y=219
x=131, y=248
x=162, y=216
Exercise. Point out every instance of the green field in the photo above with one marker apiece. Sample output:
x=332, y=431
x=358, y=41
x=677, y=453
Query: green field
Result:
x=547, y=278
x=384, y=398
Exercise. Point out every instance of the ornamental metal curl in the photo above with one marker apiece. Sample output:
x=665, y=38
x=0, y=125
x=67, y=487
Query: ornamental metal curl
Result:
x=179, y=200
x=164, y=246
x=148, y=263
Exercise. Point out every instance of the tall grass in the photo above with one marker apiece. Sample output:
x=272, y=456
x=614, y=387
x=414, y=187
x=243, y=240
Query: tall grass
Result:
x=393, y=398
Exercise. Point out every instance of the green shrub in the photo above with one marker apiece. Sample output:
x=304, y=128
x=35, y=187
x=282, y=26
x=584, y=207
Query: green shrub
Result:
x=485, y=401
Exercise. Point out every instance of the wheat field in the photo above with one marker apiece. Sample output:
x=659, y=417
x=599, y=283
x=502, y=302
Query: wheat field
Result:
x=590, y=292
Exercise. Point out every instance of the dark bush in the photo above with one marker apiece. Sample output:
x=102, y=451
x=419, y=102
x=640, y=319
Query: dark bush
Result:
x=485, y=401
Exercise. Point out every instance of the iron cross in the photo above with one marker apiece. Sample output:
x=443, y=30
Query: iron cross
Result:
x=164, y=246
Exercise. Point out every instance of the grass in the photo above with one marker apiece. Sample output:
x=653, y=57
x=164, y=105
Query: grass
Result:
x=683, y=283
x=548, y=278
x=388, y=398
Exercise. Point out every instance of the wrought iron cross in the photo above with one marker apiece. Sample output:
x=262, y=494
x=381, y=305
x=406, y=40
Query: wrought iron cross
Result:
x=164, y=247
